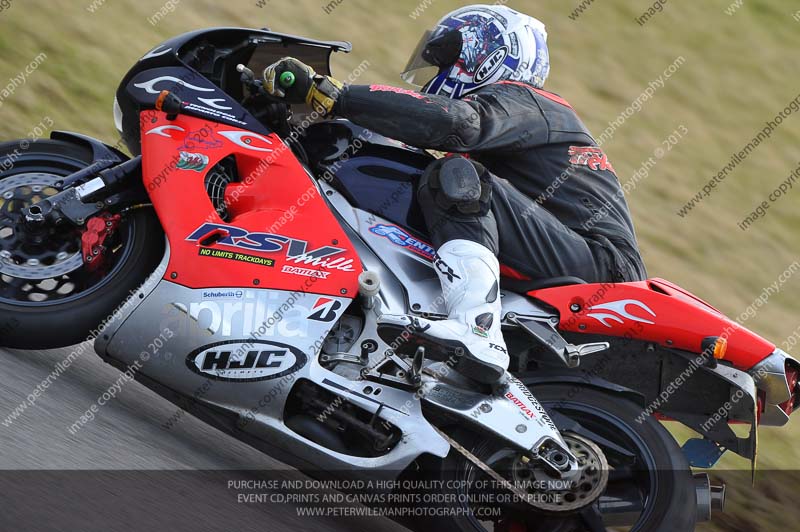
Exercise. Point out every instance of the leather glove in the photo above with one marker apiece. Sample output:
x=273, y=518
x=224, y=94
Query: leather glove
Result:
x=320, y=92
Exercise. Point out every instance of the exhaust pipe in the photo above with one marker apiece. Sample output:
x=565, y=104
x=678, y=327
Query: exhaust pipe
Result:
x=710, y=497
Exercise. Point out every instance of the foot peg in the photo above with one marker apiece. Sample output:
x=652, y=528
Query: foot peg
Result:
x=548, y=337
x=575, y=352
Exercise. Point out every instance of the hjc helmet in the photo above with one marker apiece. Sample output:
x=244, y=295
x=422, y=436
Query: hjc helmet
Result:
x=478, y=45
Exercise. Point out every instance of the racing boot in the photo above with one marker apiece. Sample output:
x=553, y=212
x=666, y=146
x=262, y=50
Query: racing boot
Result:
x=470, y=340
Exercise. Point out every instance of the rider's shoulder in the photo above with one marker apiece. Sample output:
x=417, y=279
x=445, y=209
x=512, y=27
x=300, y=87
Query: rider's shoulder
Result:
x=519, y=89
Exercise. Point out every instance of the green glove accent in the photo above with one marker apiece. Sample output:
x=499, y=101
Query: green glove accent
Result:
x=296, y=82
x=287, y=80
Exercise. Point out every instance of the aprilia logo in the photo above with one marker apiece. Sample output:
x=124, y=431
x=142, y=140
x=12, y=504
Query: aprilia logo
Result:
x=252, y=311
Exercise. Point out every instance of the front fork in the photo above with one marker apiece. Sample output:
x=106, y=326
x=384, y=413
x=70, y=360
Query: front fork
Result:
x=112, y=181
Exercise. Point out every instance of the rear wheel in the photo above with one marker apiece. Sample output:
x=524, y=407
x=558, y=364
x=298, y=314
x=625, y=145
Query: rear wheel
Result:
x=649, y=488
x=48, y=296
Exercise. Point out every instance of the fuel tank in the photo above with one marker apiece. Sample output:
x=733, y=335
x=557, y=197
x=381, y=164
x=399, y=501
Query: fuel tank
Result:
x=376, y=174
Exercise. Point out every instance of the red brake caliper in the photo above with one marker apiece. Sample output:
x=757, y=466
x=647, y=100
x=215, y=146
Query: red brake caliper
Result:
x=98, y=229
x=511, y=526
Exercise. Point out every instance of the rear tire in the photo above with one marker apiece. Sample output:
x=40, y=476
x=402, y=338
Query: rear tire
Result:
x=670, y=507
x=45, y=325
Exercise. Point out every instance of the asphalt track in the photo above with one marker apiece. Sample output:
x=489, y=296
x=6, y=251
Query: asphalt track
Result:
x=123, y=470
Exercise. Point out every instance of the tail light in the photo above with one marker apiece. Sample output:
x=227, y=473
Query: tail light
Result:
x=792, y=377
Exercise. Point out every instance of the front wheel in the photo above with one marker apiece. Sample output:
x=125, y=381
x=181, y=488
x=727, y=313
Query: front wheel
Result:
x=650, y=487
x=48, y=296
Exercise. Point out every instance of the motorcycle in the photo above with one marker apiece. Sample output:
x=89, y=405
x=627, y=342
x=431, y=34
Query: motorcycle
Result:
x=240, y=259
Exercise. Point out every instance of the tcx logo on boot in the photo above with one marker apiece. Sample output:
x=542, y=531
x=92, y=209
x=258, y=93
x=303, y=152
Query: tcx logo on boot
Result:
x=296, y=250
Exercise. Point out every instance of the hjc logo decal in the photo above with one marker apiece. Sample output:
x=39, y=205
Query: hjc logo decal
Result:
x=246, y=360
x=491, y=64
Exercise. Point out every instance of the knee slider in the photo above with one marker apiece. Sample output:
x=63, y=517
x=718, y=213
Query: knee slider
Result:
x=462, y=185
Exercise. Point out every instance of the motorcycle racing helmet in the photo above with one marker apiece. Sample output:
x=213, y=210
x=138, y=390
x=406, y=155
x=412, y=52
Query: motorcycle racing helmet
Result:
x=478, y=45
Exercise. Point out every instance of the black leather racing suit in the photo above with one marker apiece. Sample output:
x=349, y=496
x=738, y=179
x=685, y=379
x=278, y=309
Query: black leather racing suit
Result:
x=558, y=209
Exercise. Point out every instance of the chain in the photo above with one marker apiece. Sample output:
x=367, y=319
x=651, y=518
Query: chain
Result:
x=477, y=462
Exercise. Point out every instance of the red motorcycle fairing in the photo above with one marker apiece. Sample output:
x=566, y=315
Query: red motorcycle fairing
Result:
x=654, y=310
x=280, y=233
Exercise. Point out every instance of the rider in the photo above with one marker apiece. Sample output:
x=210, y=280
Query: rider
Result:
x=557, y=209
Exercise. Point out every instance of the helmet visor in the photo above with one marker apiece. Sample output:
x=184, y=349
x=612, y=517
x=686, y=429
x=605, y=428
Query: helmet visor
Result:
x=431, y=55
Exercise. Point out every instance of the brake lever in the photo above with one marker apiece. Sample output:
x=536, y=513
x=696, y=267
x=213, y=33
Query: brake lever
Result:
x=248, y=76
x=255, y=87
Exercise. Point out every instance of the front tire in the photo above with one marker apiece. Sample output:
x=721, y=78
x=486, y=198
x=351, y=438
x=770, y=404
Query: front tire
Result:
x=39, y=313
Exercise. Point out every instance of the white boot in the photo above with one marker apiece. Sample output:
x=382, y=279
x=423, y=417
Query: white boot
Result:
x=471, y=336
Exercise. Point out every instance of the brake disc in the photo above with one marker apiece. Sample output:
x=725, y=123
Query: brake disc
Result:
x=16, y=257
x=559, y=496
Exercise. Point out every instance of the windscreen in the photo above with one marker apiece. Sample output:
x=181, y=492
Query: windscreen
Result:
x=317, y=57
